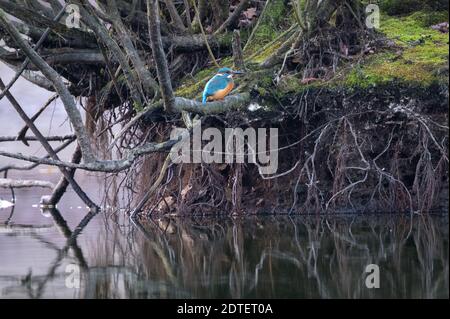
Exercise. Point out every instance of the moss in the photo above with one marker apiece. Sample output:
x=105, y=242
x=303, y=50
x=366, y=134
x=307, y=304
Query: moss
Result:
x=269, y=26
x=262, y=55
x=419, y=54
x=396, y=7
x=422, y=51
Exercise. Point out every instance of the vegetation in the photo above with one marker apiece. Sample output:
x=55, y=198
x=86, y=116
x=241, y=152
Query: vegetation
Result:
x=360, y=111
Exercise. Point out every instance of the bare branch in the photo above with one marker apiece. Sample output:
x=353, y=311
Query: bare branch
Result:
x=46, y=144
x=162, y=67
x=34, y=138
x=234, y=17
x=52, y=75
x=176, y=19
x=17, y=183
x=112, y=166
x=21, y=135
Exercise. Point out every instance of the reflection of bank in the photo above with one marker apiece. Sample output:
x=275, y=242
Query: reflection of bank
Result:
x=252, y=257
x=298, y=257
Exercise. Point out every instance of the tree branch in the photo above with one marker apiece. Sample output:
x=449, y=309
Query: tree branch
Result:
x=46, y=144
x=234, y=17
x=159, y=55
x=113, y=166
x=33, y=138
x=149, y=84
x=17, y=183
x=176, y=19
x=52, y=75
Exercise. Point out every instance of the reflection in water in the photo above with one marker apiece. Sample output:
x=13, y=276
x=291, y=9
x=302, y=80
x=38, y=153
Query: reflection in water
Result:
x=264, y=257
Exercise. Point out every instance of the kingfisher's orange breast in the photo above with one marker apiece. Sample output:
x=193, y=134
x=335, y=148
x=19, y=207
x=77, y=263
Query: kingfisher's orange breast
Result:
x=220, y=94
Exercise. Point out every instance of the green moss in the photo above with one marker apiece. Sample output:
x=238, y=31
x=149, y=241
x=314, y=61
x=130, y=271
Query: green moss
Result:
x=415, y=59
x=262, y=55
x=396, y=7
x=269, y=26
x=422, y=51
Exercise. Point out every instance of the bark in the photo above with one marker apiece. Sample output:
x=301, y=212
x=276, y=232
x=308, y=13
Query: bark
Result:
x=17, y=183
x=238, y=56
x=234, y=17
x=159, y=55
x=60, y=189
x=176, y=19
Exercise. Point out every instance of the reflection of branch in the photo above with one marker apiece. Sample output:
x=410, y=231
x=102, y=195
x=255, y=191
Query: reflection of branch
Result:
x=71, y=243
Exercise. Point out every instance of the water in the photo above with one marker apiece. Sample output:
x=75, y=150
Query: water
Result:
x=204, y=257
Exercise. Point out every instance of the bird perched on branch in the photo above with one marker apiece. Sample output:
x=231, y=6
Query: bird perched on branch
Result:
x=220, y=85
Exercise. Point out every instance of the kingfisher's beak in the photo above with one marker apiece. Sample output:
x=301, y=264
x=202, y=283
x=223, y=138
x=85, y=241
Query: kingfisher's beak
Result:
x=238, y=72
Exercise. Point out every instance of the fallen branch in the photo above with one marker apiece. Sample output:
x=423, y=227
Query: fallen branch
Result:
x=27, y=60
x=111, y=166
x=19, y=183
x=83, y=196
x=34, y=138
x=233, y=102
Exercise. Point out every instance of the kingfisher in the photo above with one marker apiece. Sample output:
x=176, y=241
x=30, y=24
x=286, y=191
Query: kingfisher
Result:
x=220, y=85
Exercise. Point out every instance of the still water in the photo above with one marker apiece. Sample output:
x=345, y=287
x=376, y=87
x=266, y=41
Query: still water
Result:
x=41, y=255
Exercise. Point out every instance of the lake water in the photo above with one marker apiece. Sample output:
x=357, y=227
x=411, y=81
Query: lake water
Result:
x=206, y=257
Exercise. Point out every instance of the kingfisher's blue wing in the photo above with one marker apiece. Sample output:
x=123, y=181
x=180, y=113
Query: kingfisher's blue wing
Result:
x=213, y=85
